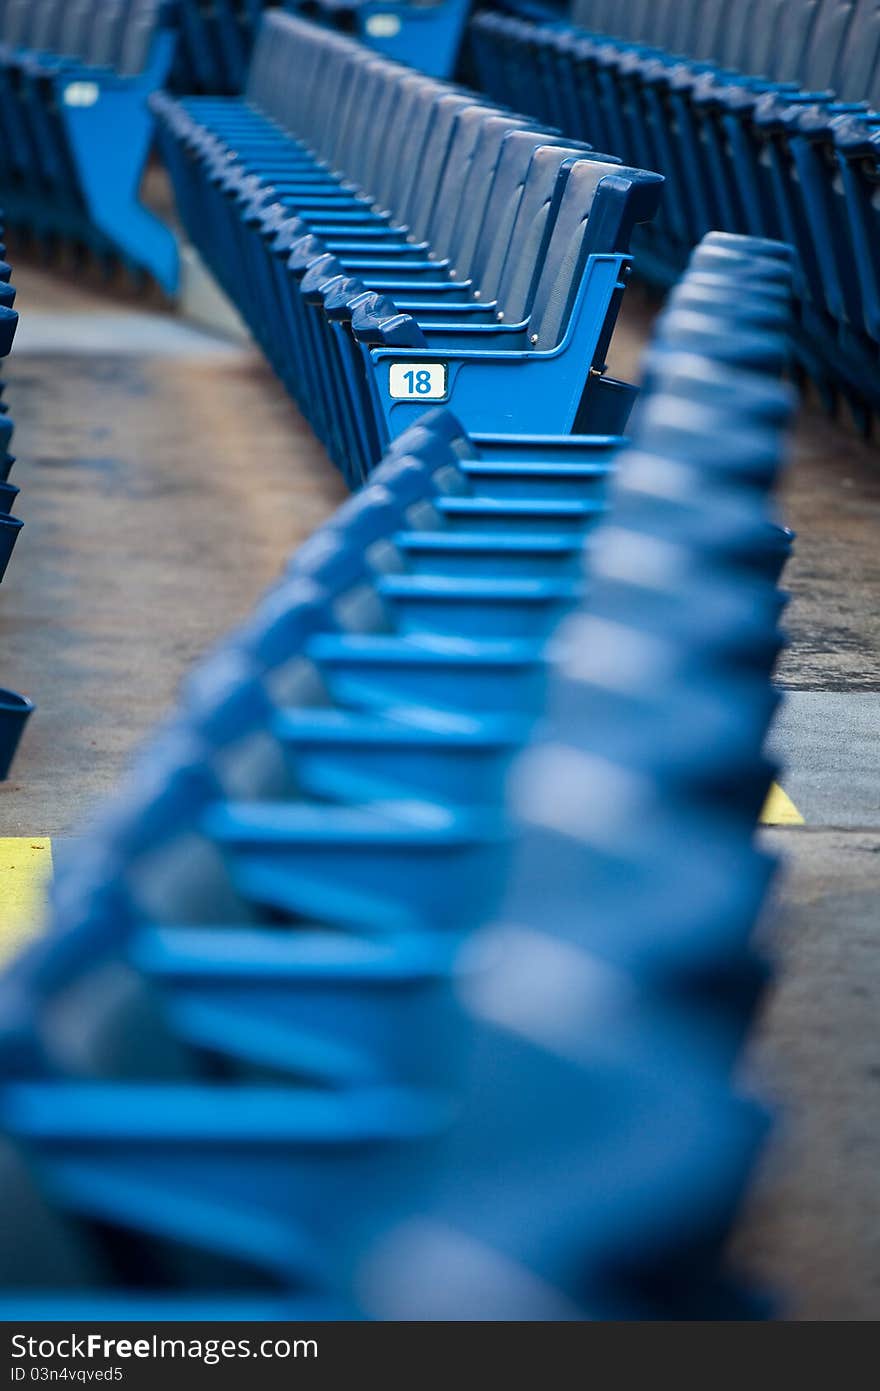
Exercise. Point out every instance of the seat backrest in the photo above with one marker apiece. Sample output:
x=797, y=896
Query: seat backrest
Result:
x=828, y=35
x=585, y=226
x=448, y=147
x=738, y=23
x=16, y=21
x=639, y=18
x=137, y=36
x=663, y=17
x=105, y=34
x=512, y=271
x=398, y=153
x=857, y=77
x=326, y=108
x=76, y=28
x=341, y=133
x=470, y=225
x=44, y=32
x=371, y=90
x=792, y=40
x=680, y=28
x=412, y=140
x=705, y=41
x=476, y=128
x=288, y=45
x=760, y=55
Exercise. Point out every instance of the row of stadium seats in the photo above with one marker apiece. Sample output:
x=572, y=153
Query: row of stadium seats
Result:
x=15, y=710
x=336, y=1016
x=392, y=241
x=215, y=37
x=760, y=155
x=75, y=128
x=819, y=45
x=115, y=35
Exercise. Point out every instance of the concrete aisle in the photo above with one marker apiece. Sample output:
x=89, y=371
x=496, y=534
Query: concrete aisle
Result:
x=165, y=478
x=814, y=1226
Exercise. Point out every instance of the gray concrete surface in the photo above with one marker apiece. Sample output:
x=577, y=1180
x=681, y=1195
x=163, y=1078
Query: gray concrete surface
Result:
x=829, y=744
x=163, y=489
x=811, y=1230
x=115, y=333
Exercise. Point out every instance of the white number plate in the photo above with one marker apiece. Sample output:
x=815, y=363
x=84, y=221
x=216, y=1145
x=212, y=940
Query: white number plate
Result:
x=383, y=26
x=81, y=93
x=417, y=381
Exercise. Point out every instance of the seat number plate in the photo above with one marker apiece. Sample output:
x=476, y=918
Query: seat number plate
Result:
x=417, y=381
x=383, y=26
x=81, y=94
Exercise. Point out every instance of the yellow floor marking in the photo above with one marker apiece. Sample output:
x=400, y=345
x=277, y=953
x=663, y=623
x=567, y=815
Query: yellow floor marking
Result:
x=25, y=871
x=780, y=810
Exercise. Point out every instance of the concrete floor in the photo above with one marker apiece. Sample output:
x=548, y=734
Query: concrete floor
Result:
x=165, y=479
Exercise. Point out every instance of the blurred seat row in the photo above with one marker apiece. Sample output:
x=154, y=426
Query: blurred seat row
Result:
x=15, y=710
x=764, y=121
x=392, y=241
x=216, y=37
x=75, y=129
x=406, y=975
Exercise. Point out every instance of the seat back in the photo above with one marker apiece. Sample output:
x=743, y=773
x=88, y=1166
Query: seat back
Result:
x=817, y=43
x=601, y=204
x=416, y=145
x=761, y=51
x=371, y=90
x=76, y=28
x=449, y=146
x=828, y=35
x=102, y=33
x=512, y=271
x=16, y=21
x=472, y=158
x=106, y=32
x=46, y=25
x=857, y=77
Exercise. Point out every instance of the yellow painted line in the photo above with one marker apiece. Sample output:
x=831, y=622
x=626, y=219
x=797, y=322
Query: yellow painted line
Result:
x=780, y=810
x=25, y=871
